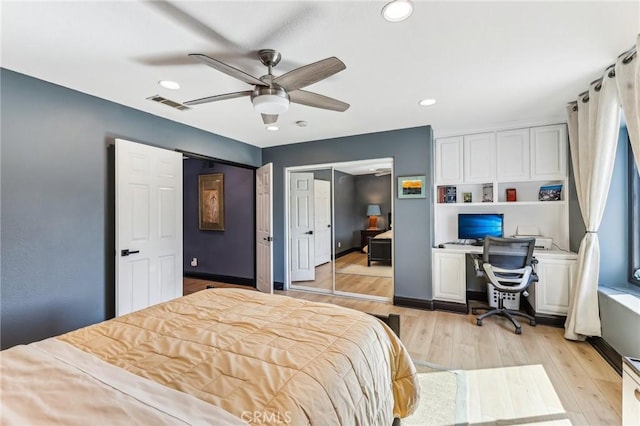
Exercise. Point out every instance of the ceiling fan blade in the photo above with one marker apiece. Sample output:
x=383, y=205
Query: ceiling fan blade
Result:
x=219, y=97
x=309, y=74
x=317, y=101
x=269, y=118
x=228, y=69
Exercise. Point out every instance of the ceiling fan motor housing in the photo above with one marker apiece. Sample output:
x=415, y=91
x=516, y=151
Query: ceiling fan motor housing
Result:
x=270, y=100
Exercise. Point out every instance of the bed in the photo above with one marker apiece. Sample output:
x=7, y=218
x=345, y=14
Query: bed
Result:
x=379, y=248
x=218, y=356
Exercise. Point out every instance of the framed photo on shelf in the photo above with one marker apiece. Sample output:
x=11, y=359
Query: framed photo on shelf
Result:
x=211, y=202
x=412, y=187
x=511, y=194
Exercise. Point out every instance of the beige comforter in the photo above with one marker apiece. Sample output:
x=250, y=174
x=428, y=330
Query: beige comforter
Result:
x=264, y=358
x=51, y=382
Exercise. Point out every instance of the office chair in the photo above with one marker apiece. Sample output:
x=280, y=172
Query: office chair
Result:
x=508, y=268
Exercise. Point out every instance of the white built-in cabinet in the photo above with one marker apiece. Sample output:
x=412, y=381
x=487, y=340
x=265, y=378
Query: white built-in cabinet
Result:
x=512, y=155
x=449, y=160
x=630, y=392
x=523, y=160
x=479, y=158
x=550, y=295
x=518, y=160
x=549, y=152
x=449, y=277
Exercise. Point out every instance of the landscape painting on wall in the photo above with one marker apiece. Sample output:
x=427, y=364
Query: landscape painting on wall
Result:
x=211, y=202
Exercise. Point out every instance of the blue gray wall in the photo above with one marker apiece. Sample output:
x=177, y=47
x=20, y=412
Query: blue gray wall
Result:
x=372, y=189
x=230, y=252
x=55, y=231
x=411, y=150
x=347, y=226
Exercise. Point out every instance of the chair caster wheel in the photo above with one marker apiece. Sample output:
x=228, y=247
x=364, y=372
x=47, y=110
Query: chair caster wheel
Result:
x=532, y=323
x=479, y=322
x=518, y=330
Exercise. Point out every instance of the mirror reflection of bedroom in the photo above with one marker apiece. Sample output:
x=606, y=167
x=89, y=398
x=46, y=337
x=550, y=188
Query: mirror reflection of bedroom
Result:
x=339, y=227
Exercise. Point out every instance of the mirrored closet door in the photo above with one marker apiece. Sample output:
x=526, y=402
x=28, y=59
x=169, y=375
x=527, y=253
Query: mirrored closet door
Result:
x=332, y=211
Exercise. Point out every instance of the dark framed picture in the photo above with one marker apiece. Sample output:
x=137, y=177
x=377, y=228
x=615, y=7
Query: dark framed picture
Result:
x=211, y=202
x=412, y=187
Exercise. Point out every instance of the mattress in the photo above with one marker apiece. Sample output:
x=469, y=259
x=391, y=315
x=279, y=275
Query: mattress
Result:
x=261, y=358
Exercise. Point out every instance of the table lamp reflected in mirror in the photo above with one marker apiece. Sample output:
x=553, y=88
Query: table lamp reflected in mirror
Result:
x=373, y=211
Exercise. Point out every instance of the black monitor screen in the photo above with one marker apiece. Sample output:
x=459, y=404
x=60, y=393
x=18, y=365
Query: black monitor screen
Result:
x=478, y=226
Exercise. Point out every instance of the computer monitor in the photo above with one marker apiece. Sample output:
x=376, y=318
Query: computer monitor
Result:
x=476, y=226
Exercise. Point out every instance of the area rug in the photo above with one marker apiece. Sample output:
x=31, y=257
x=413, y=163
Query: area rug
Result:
x=373, y=270
x=442, y=396
x=495, y=396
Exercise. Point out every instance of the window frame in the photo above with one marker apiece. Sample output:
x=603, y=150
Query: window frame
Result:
x=634, y=219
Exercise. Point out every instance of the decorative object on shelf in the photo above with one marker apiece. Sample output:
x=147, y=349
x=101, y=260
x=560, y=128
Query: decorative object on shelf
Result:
x=211, y=202
x=487, y=193
x=511, y=194
x=550, y=193
x=373, y=211
x=412, y=187
x=450, y=194
x=467, y=197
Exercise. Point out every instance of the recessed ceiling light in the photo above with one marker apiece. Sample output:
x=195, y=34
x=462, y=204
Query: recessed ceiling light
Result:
x=427, y=102
x=168, y=84
x=397, y=10
x=273, y=128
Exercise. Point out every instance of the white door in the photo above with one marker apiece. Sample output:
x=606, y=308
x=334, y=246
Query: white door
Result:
x=322, y=228
x=264, y=224
x=301, y=205
x=449, y=159
x=148, y=226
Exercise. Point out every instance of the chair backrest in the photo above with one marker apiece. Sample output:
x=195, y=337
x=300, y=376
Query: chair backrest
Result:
x=508, y=253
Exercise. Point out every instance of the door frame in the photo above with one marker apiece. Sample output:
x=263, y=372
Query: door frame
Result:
x=287, y=260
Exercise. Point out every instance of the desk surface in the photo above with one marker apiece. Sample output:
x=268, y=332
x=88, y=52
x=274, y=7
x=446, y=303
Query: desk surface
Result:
x=465, y=248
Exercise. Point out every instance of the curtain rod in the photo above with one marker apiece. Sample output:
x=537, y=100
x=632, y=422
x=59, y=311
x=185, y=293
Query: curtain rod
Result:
x=628, y=55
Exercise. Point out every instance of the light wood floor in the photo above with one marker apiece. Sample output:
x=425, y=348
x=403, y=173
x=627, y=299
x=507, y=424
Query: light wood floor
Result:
x=589, y=389
x=360, y=284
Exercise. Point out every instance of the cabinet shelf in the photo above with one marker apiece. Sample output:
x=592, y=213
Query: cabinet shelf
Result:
x=505, y=203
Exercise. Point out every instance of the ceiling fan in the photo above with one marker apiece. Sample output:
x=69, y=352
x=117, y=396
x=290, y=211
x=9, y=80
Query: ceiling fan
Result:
x=271, y=95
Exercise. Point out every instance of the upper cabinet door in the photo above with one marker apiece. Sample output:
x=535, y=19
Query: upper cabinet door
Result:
x=512, y=152
x=549, y=152
x=449, y=160
x=480, y=158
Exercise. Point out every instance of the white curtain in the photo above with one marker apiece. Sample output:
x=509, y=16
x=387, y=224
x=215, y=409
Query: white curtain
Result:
x=593, y=136
x=628, y=78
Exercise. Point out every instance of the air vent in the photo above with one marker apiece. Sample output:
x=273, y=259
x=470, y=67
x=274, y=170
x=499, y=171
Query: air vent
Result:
x=168, y=102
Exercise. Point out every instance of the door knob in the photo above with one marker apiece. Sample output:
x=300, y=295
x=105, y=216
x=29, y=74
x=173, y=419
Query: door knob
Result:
x=309, y=232
x=127, y=252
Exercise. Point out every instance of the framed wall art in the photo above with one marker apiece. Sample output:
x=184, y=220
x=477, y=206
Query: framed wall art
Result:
x=412, y=187
x=211, y=202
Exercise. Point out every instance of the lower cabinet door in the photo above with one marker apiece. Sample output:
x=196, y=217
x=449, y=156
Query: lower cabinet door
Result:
x=553, y=289
x=449, y=277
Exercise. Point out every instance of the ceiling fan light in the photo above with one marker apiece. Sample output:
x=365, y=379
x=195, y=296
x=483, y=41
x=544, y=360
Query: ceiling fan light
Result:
x=397, y=10
x=270, y=104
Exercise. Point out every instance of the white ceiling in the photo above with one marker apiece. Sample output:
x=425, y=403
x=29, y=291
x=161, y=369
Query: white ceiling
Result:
x=488, y=64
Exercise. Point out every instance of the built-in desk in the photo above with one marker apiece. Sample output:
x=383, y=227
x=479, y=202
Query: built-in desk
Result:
x=548, y=296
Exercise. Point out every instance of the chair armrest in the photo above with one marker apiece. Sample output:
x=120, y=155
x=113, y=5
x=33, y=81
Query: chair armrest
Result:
x=476, y=264
x=521, y=282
